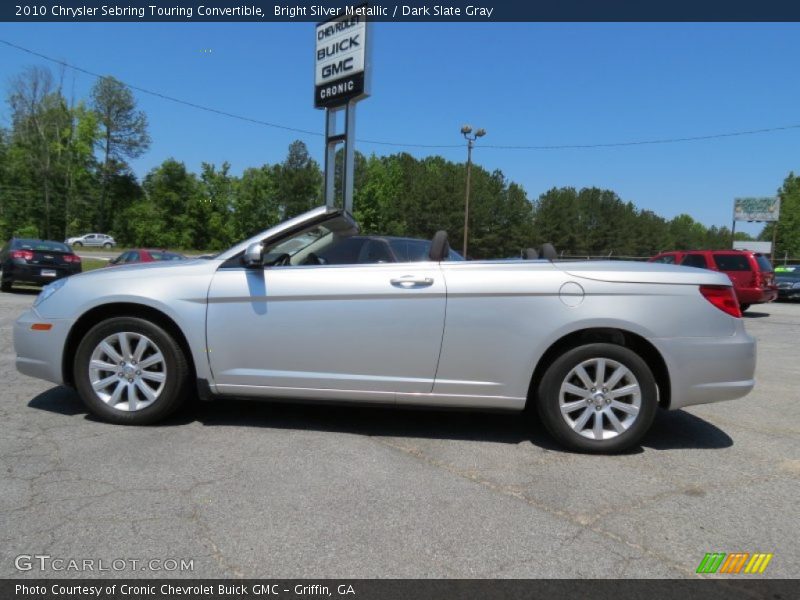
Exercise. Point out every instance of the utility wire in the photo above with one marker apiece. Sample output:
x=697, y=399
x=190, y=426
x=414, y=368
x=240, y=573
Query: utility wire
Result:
x=163, y=96
x=231, y=115
x=694, y=138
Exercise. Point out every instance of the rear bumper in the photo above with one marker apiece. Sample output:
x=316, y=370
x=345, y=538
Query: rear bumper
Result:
x=33, y=273
x=756, y=295
x=704, y=370
x=39, y=353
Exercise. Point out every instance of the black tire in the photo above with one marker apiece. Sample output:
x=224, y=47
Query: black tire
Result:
x=548, y=393
x=744, y=307
x=5, y=285
x=106, y=245
x=177, y=372
x=78, y=244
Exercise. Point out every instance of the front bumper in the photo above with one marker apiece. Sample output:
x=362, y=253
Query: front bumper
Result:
x=789, y=293
x=704, y=370
x=40, y=353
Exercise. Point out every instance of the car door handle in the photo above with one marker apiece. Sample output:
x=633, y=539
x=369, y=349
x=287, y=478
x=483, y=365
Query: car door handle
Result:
x=411, y=281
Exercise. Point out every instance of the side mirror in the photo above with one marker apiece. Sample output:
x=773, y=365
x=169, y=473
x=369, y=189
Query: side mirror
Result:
x=254, y=255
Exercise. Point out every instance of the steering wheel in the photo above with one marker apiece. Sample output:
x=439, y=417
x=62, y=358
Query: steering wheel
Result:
x=282, y=260
x=314, y=259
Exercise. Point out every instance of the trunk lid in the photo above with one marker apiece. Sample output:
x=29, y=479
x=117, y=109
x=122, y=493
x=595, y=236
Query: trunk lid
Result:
x=48, y=258
x=641, y=272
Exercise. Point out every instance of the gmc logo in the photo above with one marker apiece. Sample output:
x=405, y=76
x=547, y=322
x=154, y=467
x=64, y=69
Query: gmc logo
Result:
x=337, y=67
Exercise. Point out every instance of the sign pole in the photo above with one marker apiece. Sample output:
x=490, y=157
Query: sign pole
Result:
x=342, y=78
x=774, y=241
x=349, y=156
x=330, y=157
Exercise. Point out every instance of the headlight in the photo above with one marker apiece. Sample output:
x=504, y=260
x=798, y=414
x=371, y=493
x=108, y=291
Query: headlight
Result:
x=49, y=290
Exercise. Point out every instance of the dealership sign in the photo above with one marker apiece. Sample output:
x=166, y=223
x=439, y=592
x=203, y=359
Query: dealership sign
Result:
x=341, y=69
x=756, y=209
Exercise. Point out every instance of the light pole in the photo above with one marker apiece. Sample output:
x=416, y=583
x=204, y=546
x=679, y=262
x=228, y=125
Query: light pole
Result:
x=466, y=130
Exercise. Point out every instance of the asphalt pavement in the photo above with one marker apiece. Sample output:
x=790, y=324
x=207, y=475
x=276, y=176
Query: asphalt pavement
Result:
x=249, y=489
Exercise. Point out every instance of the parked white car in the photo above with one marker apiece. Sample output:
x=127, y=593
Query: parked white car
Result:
x=92, y=239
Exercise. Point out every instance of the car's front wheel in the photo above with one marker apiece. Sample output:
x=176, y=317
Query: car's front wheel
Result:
x=598, y=398
x=130, y=371
x=107, y=245
x=78, y=244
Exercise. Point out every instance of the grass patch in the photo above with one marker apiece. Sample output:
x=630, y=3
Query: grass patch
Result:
x=90, y=264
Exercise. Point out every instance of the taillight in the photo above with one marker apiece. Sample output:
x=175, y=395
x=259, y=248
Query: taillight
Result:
x=72, y=258
x=723, y=297
x=23, y=254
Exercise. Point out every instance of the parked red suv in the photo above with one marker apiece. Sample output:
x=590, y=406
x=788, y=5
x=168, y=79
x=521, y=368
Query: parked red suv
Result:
x=751, y=272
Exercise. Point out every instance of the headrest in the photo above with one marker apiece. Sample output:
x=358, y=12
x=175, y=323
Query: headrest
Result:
x=548, y=251
x=440, y=248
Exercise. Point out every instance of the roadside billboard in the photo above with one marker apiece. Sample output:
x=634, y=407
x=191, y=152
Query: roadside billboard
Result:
x=341, y=61
x=762, y=247
x=756, y=209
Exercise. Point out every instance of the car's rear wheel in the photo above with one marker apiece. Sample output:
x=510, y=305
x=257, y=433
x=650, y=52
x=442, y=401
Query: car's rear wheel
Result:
x=744, y=307
x=106, y=245
x=598, y=398
x=130, y=371
x=5, y=284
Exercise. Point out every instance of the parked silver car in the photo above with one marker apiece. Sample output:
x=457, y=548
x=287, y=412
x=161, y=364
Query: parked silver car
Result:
x=92, y=239
x=595, y=347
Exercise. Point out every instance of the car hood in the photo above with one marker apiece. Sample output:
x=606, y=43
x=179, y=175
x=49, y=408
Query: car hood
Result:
x=153, y=269
x=641, y=272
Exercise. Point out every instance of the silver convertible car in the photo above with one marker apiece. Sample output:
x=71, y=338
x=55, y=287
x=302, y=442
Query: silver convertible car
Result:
x=594, y=347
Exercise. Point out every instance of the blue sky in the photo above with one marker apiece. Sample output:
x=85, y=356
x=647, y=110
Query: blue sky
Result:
x=526, y=83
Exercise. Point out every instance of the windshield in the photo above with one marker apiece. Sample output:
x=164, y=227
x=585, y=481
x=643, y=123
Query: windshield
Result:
x=300, y=242
x=158, y=255
x=41, y=246
x=310, y=241
x=763, y=263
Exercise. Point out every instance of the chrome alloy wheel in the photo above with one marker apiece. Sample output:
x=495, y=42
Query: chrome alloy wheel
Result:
x=600, y=398
x=127, y=371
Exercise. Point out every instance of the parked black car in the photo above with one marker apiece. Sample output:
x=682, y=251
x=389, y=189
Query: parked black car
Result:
x=36, y=261
x=788, y=279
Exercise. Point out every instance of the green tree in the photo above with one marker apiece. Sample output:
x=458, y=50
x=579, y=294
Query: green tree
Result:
x=49, y=170
x=123, y=134
x=165, y=216
x=556, y=219
x=787, y=243
x=40, y=132
x=299, y=181
x=81, y=174
x=650, y=235
x=686, y=233
x=5, y=197
x=255, y=204
x=212, y=214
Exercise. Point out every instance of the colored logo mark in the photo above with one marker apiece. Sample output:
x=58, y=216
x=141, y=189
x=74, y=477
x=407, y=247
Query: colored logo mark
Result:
x=734, y=563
